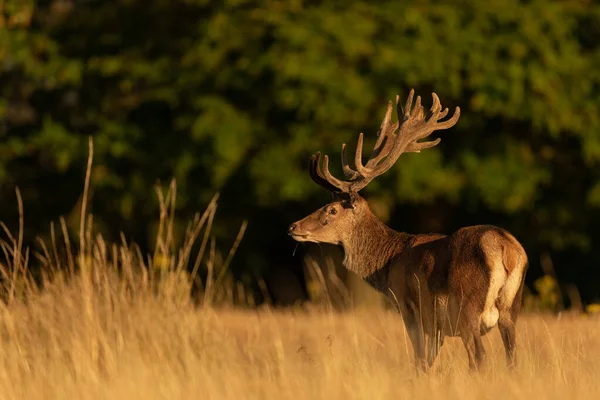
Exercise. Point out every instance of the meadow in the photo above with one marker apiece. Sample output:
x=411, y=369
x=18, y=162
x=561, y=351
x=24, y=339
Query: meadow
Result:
x=76, y=340
x=104, y=321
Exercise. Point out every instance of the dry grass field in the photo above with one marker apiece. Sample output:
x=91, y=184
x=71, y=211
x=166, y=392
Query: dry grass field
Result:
x=104, y=321
x=98, y=342
x=118, y=328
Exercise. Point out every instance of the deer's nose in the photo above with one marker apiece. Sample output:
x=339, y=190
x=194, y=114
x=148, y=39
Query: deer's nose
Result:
x=291, y=229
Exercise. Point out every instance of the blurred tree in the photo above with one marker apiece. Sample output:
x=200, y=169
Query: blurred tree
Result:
x=235, y=95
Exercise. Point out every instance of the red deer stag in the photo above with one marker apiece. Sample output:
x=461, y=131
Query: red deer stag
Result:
x=461, y=284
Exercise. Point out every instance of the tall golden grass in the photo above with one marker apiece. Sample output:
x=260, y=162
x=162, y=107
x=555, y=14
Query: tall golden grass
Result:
x=107, y=322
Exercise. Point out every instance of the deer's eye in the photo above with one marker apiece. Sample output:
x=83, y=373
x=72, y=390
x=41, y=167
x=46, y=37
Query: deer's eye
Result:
x=333, y=211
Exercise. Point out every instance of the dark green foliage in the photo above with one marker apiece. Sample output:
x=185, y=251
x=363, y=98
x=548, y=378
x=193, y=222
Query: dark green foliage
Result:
x=235, y=96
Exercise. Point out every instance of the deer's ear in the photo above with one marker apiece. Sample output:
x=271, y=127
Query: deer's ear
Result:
x=348, y=200
x=353, y=199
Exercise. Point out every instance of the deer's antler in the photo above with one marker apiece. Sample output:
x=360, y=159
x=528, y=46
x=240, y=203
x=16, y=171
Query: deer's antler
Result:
x=412, y=126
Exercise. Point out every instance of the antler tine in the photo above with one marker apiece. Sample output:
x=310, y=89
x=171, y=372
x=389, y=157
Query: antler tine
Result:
x=437, y=105
x=416, y=147
x=341, y=185
x=418, y=111
x=399, y=110
x=383, y=144
x=358, y=157
x=444, y=113
x=349, y=172
x=408, y=106
x=450, y=122
x=313, y=170
x=385, y=124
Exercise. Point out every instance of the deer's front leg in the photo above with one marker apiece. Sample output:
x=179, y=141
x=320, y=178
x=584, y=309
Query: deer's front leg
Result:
x=417, y=338
x=434, y=345
x=418, y=341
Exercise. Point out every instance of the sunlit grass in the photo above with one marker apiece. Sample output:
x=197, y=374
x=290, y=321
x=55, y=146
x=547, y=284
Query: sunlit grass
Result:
x=66, y=344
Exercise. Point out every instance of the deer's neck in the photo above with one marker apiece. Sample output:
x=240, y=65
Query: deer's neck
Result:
x=370, y=246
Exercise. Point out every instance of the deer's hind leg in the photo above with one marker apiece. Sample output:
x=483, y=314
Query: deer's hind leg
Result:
x=507, y=324
x=475, y=349
x=470, y=333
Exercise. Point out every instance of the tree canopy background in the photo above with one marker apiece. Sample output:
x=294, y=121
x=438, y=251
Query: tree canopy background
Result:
x=234, y=96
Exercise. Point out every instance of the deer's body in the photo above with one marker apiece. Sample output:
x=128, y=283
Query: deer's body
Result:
x=444, y=285
x=462, y=284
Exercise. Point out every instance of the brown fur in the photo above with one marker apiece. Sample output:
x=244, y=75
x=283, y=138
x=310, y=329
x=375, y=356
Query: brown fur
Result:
x=438, y=283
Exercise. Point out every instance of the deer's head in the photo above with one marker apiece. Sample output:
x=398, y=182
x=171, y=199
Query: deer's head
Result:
x=330, y=223
x=341, y=217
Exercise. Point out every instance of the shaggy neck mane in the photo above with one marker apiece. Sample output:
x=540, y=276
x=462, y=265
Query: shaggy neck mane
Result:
x=370, y=246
